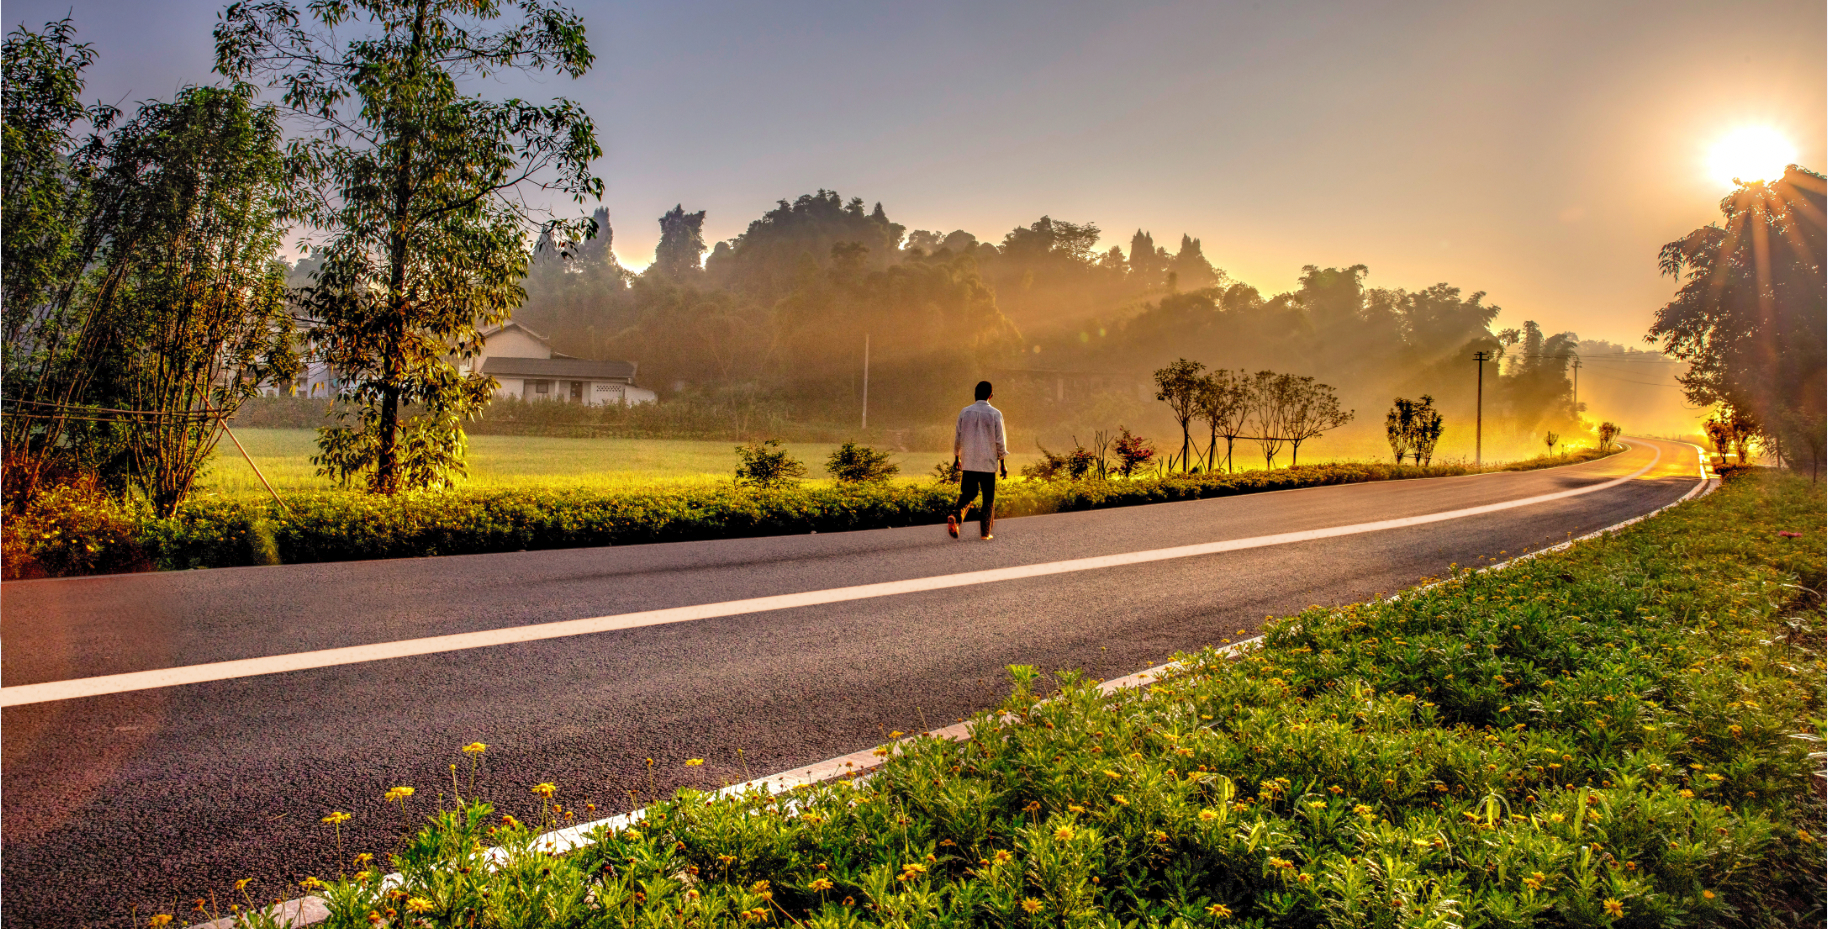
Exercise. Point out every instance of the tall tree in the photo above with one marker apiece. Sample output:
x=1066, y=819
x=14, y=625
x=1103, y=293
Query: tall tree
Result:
x=420, y=189
x=199, y=201
x=1750, y=315
x=682, y=243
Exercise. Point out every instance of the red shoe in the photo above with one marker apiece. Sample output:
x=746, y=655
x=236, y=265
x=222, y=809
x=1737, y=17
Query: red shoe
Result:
x=952, y=526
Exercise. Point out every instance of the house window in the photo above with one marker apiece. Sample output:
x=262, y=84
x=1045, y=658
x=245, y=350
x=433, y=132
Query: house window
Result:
x=577, y=391
x=539, y=388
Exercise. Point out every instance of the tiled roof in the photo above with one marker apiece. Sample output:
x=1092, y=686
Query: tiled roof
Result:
x=575, y=368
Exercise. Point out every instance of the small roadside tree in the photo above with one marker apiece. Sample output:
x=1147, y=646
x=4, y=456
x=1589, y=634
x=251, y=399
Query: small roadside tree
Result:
x=1272, y=396
x=1178, y=385
x=1720, y=435
x=1426, y=429
x=1314, y=410
x=420, y=189
x=1223, y=401
x=1607, y=432
x=1133, y=452
x=860, y=464
x=1399, y=427
x=1549, y=439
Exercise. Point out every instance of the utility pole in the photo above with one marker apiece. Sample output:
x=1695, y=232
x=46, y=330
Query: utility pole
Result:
x=1479, y=415
x=866, y=380
x=1577, y=387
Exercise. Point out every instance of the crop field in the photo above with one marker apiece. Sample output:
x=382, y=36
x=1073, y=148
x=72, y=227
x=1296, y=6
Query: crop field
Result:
x=542, y=462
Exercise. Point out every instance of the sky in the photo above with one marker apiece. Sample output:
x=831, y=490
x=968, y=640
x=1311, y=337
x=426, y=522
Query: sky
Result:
x=1541, y=152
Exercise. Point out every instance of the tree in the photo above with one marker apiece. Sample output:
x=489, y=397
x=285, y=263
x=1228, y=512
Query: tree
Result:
x=860, y=464
x=420, y=190
x=682, y=243
x=1133, y=452
x=194, y=191
x=1399, y=427
x=1313, y=410
x=1224, y=402
x=1426, y=427
x=1720, y=435
x=1607, y=432
x=43, y=169
x=1750, y=318
x=1272, y=397
x=1178, y=385
x=1549, y=439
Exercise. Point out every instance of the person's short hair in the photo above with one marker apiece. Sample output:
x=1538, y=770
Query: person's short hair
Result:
x=983, y=390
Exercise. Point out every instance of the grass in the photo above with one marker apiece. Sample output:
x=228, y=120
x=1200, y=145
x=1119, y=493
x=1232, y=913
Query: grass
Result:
x=509, y=462
x=1614, y=735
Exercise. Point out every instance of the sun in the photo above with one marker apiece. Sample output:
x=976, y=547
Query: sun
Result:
x=1753, y=153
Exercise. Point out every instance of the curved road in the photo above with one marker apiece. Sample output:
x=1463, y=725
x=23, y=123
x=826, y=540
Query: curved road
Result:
x=146, y=797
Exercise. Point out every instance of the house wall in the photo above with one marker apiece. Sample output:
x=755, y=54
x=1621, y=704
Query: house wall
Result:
x=513, y=343
x=596, y=392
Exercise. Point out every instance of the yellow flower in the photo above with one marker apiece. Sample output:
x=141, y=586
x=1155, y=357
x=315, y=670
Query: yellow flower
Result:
x=361, y=876
x=398, y=793
x=1219, y=910
x=1074, y=808
x=1030, y=905
x=694, y=762
x=1063, y=834
x=819, y=885
x=243, y=883
x=895, y=734
x=336, y=818
x=1112, y=774
x=1002, y=856
x=475, y=748
x=310, y=883
x=1318, y=804
x=1120, y=799
x=421, y=905
x=1614, y=908
x=1207, y=816
x=545, y=790
x=1707, y=895
x=160, y=920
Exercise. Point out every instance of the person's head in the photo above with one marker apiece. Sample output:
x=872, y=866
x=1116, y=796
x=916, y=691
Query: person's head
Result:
x=983, y=390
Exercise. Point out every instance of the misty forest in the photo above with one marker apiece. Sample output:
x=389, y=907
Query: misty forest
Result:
x=771, y=325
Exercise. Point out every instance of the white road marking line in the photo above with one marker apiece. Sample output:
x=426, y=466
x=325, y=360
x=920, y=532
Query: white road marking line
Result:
x=51, y=691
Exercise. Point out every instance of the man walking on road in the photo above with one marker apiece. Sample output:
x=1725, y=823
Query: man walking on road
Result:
x=978, y=446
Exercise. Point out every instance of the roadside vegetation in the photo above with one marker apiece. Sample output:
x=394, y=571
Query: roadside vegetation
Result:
x=80, y=530
x=1614, y=735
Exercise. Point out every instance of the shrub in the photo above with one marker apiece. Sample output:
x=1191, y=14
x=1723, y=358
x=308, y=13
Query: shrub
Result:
x=948, y=472
x=72, y=527
x=1133, y=452
x=860, y=464
x=767, y=464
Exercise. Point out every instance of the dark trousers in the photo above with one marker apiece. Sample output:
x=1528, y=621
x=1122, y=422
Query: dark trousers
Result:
x=970, y=482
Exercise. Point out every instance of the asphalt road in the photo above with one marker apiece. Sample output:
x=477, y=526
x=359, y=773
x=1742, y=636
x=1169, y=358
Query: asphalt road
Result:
x=151, y=798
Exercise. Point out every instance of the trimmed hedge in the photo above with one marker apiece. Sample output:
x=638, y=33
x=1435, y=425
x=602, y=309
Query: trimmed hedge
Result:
x=352, y=526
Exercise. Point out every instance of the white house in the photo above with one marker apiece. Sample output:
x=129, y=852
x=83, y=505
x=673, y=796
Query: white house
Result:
x=526, y=367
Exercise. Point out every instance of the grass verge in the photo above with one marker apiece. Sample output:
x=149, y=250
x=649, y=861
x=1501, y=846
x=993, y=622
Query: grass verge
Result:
x=1614, y=735
x=345, y=526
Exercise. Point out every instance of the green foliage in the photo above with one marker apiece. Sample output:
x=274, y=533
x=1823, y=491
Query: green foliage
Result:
x=1180, y=385
x=860, y=464
x=72, y=527
x=420, y=189
x=1604, y=736
x=948, y=472
x=1749, y=317
x=767, y=464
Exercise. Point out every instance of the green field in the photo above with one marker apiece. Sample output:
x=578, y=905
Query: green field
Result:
x=526, y=462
